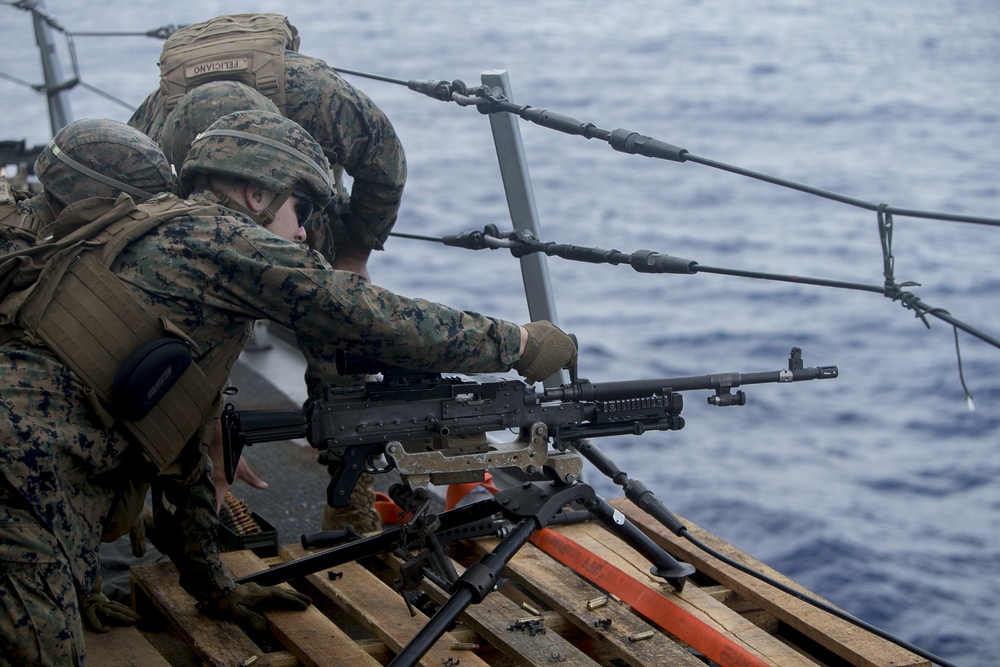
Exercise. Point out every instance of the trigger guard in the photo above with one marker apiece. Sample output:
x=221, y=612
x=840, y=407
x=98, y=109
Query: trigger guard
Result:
x=369, y=465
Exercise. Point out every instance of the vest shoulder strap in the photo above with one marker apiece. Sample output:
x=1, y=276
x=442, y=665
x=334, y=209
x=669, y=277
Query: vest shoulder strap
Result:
x=16, y=225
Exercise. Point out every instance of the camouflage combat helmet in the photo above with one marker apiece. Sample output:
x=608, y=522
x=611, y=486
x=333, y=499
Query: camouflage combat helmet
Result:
x=262, y=148
x=97, y=157
x=202, y=106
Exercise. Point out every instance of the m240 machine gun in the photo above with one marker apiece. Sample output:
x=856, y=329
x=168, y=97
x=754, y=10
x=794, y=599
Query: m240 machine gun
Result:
x=433, y=430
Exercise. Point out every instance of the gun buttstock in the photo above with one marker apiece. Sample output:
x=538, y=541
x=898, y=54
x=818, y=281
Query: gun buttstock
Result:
x=240, y=429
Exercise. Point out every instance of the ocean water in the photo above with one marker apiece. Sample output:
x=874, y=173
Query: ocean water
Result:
x=878, y=490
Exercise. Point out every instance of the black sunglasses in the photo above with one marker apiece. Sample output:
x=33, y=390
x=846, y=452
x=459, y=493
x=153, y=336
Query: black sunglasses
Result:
x=304, y=206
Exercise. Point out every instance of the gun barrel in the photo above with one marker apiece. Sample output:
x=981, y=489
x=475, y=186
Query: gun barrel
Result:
x=586, y=390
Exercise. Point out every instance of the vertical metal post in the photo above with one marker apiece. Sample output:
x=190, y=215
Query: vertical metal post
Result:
x=521, y=203
x=55, y=87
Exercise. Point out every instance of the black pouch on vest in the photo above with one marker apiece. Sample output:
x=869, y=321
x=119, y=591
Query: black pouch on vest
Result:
x=146, y=375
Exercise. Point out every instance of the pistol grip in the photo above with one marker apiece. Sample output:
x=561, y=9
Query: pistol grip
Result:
x=344, y=475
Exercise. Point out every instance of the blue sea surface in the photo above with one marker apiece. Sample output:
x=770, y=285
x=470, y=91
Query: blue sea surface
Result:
x=879, y=490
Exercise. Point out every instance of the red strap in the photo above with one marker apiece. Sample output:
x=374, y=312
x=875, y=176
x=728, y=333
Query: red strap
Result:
x=456, y=492
x=650, y=603
x=390, y=513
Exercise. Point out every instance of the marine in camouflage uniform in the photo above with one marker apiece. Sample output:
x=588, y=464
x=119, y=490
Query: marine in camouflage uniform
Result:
x=84, y=168
x=212, y=271
x=356, y=137
x=192, y=114
x=93, y=157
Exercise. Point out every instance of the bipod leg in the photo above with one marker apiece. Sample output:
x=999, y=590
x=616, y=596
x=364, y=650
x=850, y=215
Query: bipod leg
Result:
x=383, y=542
x=532, y=505
x=664, y=565
x=474, y=585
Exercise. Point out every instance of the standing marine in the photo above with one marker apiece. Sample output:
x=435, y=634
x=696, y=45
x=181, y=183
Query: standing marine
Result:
x=261, y=52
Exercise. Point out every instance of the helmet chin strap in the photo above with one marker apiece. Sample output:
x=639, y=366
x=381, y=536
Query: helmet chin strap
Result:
x=47, y=199
x=265, y=217
x=268, y=215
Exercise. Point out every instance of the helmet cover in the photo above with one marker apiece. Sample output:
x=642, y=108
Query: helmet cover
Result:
x=98, y=157
x=262, y=148
x=200, y=107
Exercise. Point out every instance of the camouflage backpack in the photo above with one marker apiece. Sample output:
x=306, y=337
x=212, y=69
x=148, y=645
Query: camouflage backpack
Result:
x=249, y=48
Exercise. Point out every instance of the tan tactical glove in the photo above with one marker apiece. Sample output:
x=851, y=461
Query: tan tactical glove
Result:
x=101, y=614
x=244, y=601
x=548, y=349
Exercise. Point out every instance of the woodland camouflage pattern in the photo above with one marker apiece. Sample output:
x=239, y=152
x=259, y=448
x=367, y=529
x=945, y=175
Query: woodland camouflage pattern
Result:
x=108, y=147
x=201, y=107
x=211, y=272
x=35, y=579
x=18, y=226
x=245, y=158
x=354, y=133
x=356, y=137
x=38, y=574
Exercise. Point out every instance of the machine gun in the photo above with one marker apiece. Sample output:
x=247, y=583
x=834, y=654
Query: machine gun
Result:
x=433, y=430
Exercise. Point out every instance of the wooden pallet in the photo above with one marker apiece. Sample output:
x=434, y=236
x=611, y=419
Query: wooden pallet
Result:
x=359, y=619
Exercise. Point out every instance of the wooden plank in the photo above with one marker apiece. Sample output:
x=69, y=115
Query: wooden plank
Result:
x=492, y=619
x=217, y=642
x=312, y=638
x=696, y=602
x=566, y=593
x=855, y=645
x=745, y=608
x=381, y=610
x=122, y=646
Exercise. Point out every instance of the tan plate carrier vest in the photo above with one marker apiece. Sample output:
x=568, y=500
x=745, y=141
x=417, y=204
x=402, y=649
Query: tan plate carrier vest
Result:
x=62, y=293
x=249, y=48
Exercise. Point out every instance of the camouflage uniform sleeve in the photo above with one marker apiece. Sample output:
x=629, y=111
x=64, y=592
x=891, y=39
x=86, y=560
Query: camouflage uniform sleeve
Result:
x=148, y=117
x=356, y=135
x=295, y=287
